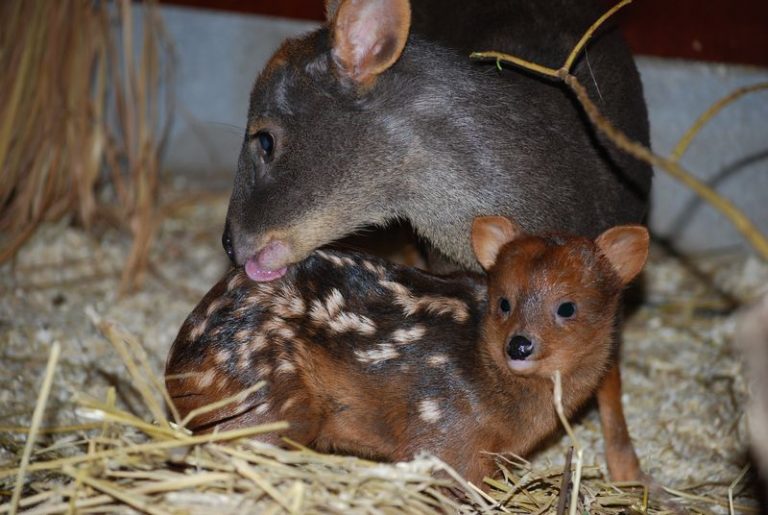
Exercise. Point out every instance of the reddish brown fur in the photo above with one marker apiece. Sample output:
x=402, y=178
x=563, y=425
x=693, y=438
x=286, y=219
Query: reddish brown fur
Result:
x=473, y=398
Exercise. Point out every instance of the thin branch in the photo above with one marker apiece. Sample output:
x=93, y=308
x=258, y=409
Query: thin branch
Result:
x=736, y=216
x=563, y=499
x=669, y=164
x=588, y=34
x=715, y=108
x=502, y=57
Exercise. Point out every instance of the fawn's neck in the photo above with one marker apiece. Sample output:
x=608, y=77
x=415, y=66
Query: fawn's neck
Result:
x=522, y=408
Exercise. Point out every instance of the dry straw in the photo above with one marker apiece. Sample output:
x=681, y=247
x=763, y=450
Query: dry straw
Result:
x=119, y=460
x=80, y=125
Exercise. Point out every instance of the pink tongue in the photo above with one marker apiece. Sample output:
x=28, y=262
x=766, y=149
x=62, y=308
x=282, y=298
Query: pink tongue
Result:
x=258, y=274
x=261, y=267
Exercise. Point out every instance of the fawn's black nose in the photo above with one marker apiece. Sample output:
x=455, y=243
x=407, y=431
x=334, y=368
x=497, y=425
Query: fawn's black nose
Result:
x=226, y=242
x=519, y=347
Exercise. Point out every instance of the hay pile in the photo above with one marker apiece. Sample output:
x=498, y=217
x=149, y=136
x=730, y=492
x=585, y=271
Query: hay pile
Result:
x=91, y=432
x=105, y=444
x=81, y=120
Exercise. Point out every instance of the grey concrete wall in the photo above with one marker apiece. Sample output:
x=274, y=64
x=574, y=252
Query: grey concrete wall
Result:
x=730, y=153
x=220, y=54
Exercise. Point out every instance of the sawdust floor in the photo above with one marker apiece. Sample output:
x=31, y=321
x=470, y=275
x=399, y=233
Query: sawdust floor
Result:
x=684, y=390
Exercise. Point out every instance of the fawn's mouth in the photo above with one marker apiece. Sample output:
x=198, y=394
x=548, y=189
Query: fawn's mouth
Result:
x=522, y=366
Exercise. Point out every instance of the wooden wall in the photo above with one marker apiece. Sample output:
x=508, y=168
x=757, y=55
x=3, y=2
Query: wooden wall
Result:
x=733, y=31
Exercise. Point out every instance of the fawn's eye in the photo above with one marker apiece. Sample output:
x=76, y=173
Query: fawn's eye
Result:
x=504, y=305
x=266, y=144
x=566, y=310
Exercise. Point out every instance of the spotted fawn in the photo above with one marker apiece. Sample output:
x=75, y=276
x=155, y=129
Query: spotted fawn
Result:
x=364, y=357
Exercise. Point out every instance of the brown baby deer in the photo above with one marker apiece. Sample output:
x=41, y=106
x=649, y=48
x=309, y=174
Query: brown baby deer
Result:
x=383, y=361
x=380, y=115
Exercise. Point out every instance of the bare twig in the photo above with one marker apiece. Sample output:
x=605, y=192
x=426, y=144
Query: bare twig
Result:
x=566, y=481
x=669, y=164
x=710, y=113
x=558, y=398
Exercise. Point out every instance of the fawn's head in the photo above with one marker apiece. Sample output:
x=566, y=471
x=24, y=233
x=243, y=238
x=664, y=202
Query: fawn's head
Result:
x=553, y=300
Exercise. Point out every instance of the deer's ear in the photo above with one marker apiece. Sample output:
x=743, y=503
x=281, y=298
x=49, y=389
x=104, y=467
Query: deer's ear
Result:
x=489, y=234
x=626, y=247
x=368, y=35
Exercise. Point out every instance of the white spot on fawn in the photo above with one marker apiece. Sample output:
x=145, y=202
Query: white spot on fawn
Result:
x=285, y=367
x=287, y=404
x=409, y=335
x=236, y=281
x=336, y=260
x=261, y=292
x=285, y=332
x=205, y=379
x=244, y=362
x=198, y=330
x=437, y=305
x=352, y=322
x=329, y=309
x=287, y=303
x=261, y=408
x=437, y=360
x=333, y=258
x=257, y=342
x=376, y=270
x=216, y=305
x=222, y=356
x=429, y=411
x=263, y=370
x=243, y=336
x=329, y=313
x=277, y=327
x=382, y=352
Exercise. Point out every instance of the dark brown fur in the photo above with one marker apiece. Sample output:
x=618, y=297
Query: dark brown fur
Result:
x=384, y=361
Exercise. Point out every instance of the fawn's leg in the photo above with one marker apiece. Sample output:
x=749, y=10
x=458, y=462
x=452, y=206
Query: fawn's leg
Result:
x=619, y=451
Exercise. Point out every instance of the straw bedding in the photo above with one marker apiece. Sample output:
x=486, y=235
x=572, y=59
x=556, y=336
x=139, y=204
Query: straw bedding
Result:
x=684, y=395
x=83, y=422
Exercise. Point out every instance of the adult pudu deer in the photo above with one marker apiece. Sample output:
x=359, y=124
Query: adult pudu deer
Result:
x=380, y=115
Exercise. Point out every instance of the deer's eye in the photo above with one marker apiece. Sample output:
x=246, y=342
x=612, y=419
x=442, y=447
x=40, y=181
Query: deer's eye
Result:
x=504, y=305
x=266, y=145
x=566, y=310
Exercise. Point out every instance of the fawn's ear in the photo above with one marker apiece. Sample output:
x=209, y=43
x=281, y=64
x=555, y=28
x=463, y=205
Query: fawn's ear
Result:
x=368, y=35
x=489, y=234
x=626, y=247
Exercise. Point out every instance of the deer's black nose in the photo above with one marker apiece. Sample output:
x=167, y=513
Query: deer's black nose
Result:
x=226, y=242
x=519, y=347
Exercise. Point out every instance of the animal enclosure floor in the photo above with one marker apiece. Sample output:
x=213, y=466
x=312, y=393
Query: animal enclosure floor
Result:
x=684, y=391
